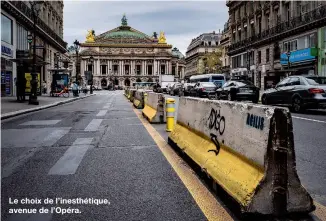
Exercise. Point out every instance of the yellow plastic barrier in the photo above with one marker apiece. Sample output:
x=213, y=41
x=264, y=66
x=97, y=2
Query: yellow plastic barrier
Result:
x=170, y=103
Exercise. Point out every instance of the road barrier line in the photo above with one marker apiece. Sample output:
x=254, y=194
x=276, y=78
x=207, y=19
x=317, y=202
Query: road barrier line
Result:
x=71, y=159
x=203, y=197
x=303, y=118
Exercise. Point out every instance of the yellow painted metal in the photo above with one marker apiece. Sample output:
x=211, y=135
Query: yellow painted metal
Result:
x=149, y=112
x=145, y=98
x=136, y=103
x=170, y=114
x=237, y=175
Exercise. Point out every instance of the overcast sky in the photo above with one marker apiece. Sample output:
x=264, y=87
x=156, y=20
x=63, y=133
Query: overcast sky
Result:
x=180, y=20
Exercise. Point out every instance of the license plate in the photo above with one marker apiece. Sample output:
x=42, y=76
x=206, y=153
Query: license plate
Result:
x=246, y=91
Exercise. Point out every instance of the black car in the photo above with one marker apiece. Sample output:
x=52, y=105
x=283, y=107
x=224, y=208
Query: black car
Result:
x=238, y=90
x=203, y=89
x=298, y=92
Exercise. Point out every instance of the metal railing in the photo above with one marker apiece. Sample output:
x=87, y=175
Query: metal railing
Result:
x=23, y=8
x=307, y=18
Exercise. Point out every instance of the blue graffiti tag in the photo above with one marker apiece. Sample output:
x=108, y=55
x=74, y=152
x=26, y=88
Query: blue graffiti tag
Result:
x=255, y=121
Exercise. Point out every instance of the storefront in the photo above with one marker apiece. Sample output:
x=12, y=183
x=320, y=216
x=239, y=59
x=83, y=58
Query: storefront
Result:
x=8, y=68
x=302, y=62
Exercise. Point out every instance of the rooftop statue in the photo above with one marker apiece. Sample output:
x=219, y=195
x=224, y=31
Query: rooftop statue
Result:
x=155, y=35
x=90, y=37
x=161, y=38
x=124, y=20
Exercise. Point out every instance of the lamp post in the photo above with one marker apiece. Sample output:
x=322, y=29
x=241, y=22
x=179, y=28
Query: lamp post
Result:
x=91, y=60
x=35, y=6
x=77, y=47
x=288, y=54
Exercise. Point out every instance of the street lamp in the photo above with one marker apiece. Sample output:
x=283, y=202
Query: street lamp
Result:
x=36, y=8
x=77, y=47
x=91, y=60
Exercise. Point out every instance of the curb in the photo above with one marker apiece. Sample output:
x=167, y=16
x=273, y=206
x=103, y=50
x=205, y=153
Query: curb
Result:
x=20, y=112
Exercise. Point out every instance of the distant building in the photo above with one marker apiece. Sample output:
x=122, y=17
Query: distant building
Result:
x=225, y=44
x=125, y=55
x=16, y=25
x=204, y=43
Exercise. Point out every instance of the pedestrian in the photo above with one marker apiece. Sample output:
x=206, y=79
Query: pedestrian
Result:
x=18, y=87
x=23, y=89
x=44, y=87
x=75, y=89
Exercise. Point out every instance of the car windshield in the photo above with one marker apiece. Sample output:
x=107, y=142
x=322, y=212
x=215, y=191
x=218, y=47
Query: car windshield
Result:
x=209, y=84
x=243, y=83
x=316, y=80
x=218, y=78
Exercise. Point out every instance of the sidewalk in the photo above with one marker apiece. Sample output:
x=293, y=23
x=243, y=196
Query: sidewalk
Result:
x=10, y=107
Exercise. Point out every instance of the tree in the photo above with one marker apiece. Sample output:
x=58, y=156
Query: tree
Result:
x=213, y=61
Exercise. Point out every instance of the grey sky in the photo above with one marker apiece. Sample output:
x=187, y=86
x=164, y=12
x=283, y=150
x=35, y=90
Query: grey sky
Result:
x=180, y=20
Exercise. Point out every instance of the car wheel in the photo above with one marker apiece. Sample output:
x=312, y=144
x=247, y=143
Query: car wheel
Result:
x=264, y=100
x=296, y=104
x=230, y=98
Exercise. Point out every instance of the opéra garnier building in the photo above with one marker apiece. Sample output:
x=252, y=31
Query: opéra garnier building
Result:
x=125, y=55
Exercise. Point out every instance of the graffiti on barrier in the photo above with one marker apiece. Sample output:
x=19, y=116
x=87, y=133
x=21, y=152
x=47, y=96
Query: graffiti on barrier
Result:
x=216, y=122
x=255, y=121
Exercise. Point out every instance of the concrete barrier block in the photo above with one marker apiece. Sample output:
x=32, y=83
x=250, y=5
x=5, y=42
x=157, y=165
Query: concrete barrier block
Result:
x=153, y=109
x=242, y=147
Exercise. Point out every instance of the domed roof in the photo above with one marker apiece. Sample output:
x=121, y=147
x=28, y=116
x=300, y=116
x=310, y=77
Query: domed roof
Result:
x=125, y=33
x=177, y=53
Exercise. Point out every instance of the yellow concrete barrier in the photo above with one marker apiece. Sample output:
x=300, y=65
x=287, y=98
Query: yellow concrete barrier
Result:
x=153, y=110
x=247, y=149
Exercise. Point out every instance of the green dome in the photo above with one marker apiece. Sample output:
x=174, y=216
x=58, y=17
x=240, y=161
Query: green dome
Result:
x=125, y=34
x=177, y=53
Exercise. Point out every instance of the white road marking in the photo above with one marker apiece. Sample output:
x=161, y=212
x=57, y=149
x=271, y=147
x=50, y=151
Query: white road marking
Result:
x=303, y=118
x=40, y=122
x=101, y=113
x=71, y=159
x=31, y=217
x=93, y=125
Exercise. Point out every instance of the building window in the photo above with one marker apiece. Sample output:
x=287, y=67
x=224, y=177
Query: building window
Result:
x=267, y=55
x=89, y=67
x=115, y=69
x=103, y=68
x=312, y=40
x=6, y=29
x=149, y=70
x=127, y=69
x=259, y=57
x=162, y=69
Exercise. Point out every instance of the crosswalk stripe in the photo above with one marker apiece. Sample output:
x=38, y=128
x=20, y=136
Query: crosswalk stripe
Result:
x=101, y=113
x=93, y=125
x=71, y=159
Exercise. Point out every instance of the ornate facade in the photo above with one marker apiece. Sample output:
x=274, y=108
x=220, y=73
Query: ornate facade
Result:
x=125, y=55
x=273, y=39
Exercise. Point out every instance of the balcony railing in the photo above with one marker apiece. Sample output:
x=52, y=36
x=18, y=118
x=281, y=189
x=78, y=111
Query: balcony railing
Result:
x=23, y=8
x=317, y=14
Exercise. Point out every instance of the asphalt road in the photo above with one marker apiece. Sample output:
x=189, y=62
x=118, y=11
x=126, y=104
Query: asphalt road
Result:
x=98, y=148
x=310, y=148
x=93, y=148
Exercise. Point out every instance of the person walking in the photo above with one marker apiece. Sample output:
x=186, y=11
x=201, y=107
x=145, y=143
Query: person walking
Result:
x=23, y=89
x=75, y=89
x=44, y=87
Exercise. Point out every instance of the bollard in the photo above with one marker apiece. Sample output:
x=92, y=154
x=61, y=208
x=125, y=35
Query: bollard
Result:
x=145, y=98
x=170, y=103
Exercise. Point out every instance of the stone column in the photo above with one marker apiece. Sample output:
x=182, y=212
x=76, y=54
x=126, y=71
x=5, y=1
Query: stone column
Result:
x=142, y=68
x=170, y=67
x=177, y=72
x=145, y=63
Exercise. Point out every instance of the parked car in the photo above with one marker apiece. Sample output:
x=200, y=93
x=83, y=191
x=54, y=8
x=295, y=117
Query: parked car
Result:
x=238, y=90
x=186, y=87
x=176, y=89
x=169, y=87
x=298, y=92
x=203, y=89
